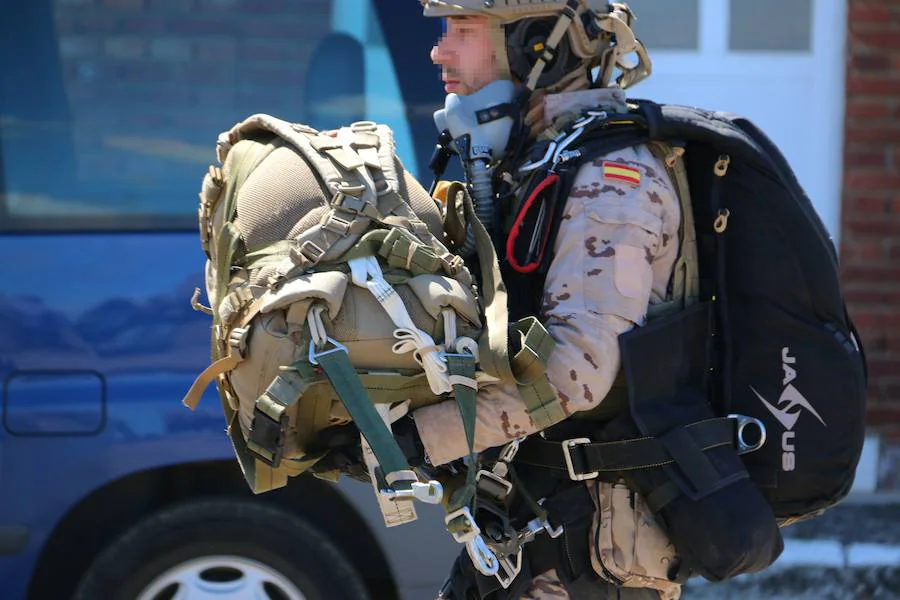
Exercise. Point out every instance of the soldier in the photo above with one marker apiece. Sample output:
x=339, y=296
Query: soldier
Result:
x=613, y=257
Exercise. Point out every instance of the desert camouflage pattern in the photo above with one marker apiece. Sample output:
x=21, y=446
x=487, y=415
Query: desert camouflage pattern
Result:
x=614, y=257
x=546, y=586
x=631, y=546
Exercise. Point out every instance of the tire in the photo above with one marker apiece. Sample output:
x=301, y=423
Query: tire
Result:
x=224, y=548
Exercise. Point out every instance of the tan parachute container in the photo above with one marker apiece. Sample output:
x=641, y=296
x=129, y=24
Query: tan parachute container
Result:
x=334, y=300
x=322, y=244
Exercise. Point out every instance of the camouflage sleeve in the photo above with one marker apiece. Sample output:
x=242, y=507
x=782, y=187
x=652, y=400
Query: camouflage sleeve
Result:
x=614, y=254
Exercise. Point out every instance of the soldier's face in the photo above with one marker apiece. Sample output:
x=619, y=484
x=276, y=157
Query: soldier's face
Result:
x=466, y=55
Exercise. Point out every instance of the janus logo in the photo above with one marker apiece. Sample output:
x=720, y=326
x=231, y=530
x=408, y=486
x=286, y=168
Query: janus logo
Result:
x=789, y=407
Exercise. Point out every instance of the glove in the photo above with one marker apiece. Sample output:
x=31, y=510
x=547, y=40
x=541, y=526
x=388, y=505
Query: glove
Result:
x=407, y=435
x=345, y=451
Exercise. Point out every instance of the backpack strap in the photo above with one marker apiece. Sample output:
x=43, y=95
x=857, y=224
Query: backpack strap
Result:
x=528, y=367
x=684, y=287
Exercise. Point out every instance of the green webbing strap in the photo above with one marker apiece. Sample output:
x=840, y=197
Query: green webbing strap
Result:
x=226, y=247
x=270, y=418
x=229, y=237
x=401, y=250
x=540, y=399
x=346, y=383
x=462, y=366
x=529, y=366
x=492, y=346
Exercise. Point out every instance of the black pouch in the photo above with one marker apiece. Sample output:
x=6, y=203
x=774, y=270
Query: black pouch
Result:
x=718, y=520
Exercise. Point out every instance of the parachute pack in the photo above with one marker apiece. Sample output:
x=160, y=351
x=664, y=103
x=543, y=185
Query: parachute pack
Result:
x=334, y=300
x=767, y=354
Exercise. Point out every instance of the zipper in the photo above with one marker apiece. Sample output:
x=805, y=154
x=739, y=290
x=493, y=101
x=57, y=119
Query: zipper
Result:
x=606, y=572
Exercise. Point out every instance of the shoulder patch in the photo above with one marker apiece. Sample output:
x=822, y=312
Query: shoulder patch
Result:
x=616, y=171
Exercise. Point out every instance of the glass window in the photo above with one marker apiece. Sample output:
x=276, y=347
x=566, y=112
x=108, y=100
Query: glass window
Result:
x=669, y=25
x=109, y=111
x=771, y=25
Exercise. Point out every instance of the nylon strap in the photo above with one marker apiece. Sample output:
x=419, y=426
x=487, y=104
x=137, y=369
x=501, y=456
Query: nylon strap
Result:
x=493, y=353
x=269, y=415
x=529, y=366
x=623, y=455
x=685, y=274
x=229, y=236
x=219, y=367
x=346, y=383
x=463, y=366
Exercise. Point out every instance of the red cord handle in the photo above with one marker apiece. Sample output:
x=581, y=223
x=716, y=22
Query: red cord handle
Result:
x=550, y=180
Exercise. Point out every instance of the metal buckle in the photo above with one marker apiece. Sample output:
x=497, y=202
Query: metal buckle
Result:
x=504, y=487
x=315, y=354
x=266, y=439
x=482, y=556
x=472, y=528
x=510, y=450
x=567, y=446
x=536, y=526
x=509, y=569
x=742, y=422
x=551, y=149
x=430, y=493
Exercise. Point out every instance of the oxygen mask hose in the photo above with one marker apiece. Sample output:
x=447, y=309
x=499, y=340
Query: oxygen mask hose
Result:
x=480, y=176
x=480, y=125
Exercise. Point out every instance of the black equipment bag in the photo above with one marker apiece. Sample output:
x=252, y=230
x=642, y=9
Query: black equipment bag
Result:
x=784, y=348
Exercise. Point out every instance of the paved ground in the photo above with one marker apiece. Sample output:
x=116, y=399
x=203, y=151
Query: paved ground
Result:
x=852, y=552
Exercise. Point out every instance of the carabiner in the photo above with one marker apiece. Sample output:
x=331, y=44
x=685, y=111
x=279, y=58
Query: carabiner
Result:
x=551, y=180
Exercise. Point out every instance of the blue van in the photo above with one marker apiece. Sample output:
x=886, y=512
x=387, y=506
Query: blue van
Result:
x=109, y=111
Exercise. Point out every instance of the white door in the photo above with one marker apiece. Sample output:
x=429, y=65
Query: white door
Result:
x=778, y=62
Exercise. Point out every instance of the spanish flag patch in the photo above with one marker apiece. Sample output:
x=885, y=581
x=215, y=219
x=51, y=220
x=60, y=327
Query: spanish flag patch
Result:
x=619, y=172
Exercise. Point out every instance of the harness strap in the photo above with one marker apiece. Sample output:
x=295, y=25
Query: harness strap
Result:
x=685, y=285
x=580, y=459
x=461, y=368
x=529, y=367
x=270, y=412
x=345, y=381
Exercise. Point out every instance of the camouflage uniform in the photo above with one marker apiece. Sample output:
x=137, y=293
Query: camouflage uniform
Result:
x=614, y=255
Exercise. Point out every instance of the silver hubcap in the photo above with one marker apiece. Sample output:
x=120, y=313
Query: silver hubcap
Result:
x=221, y=577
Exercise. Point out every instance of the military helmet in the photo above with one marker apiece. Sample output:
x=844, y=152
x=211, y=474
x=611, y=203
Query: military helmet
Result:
x=542, y=41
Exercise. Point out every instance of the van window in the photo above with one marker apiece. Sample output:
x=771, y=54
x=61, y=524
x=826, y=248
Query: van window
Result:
x=109, y=111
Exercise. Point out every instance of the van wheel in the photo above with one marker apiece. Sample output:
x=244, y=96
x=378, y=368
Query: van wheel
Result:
x=221, y=548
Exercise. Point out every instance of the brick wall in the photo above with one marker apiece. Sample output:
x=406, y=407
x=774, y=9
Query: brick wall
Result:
x=870, y=247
